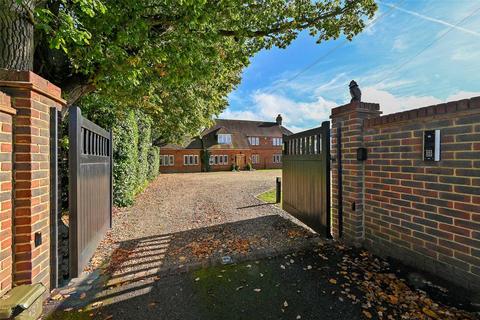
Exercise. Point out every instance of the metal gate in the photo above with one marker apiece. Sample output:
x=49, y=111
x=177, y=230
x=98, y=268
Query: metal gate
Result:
x=306, y=177
x=90, y=188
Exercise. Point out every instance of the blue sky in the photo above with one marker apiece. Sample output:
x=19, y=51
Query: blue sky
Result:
x=384, y=59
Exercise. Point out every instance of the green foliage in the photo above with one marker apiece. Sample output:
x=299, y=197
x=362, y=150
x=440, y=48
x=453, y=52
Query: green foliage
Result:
x=249, y=166
x=125, y=159
x=176, y=60
x=144, y=124
x=153, y=162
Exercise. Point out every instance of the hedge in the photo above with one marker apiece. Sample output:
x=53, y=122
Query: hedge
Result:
x=125, y=159
x=153, y=162
x=144, y=124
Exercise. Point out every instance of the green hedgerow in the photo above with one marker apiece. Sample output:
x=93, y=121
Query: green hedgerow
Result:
x=125, y=155
x=153, y=162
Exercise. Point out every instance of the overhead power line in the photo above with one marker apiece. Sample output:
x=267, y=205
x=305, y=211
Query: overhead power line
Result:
x=328, y=53
x=451, y=28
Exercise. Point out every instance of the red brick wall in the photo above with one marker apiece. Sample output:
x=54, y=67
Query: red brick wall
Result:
x=32, y=97
x=424, y=213
x=266, y=159
x=6, y=113
x=178, y=161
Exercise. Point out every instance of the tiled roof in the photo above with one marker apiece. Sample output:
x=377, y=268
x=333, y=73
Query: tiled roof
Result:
x=240, y=131
x=249, y=128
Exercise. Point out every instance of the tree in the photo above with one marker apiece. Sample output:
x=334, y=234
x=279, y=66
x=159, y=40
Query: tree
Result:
x=178, y=60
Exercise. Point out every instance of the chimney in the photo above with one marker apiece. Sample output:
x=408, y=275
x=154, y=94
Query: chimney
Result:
x=279, y=120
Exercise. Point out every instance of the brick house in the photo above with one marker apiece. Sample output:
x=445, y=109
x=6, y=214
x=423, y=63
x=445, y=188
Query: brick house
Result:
x=228, y=143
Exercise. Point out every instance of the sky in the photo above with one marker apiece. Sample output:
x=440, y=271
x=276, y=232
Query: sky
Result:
x=413, y=53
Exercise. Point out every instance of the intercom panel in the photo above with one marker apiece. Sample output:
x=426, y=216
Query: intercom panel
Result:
x=431, y=145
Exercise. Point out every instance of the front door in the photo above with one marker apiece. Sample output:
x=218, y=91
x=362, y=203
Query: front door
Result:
x=240, y=161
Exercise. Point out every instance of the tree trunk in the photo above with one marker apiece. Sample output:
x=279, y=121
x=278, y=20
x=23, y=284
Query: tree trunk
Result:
x=16, y=34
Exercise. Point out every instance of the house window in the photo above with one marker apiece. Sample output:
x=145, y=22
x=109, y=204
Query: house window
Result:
x=190, y=160
x=218, y=160
x=277, y=158
x=254, y=141
x=167, y=160
x=277, y=141
x=255, y=158
x=224, y=138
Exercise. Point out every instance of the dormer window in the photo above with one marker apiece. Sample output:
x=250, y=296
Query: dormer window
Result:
x=224, y=138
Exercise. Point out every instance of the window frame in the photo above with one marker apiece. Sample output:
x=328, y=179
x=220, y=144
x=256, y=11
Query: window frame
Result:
x=276, y=141
x=222, y=138
x=255, y=158
x=190, y=159
x=277, y=158
x=254, y=141
x=218, y=160
x=167, y=160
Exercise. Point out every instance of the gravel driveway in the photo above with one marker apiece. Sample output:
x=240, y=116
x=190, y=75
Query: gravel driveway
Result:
x=183, y=221
x=187, y=219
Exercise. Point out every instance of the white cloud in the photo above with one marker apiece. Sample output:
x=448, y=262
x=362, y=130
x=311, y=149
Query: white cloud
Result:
x=464, y=54
x=239, y=115
x=399, y=44
x=390, y=103
x=297, y=115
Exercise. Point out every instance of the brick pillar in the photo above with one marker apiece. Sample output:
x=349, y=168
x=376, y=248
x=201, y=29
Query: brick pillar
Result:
x=349, y=118
x=6, y=113
x=32, y=97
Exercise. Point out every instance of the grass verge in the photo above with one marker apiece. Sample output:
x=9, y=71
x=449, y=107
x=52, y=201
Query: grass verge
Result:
x=269, y=197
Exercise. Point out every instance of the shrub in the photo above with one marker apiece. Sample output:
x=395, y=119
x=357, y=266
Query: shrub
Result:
x=144, y=124
x=153, y=162
x=125, y=159
x=249, y=166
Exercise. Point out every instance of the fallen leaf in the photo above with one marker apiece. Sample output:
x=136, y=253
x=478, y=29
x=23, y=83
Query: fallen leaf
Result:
x=257, y=290
x=332, y=281
x=83, y=295
x=57, y=297
x=430, y=313
x=285, y=304
x=367, y=314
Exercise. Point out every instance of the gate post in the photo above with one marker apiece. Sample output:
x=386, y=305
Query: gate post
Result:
x=32, y=97
x=347, y=172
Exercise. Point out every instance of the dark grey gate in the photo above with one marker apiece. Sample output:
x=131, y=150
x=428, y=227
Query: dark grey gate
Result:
x=90, y=188
x=306, y=177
